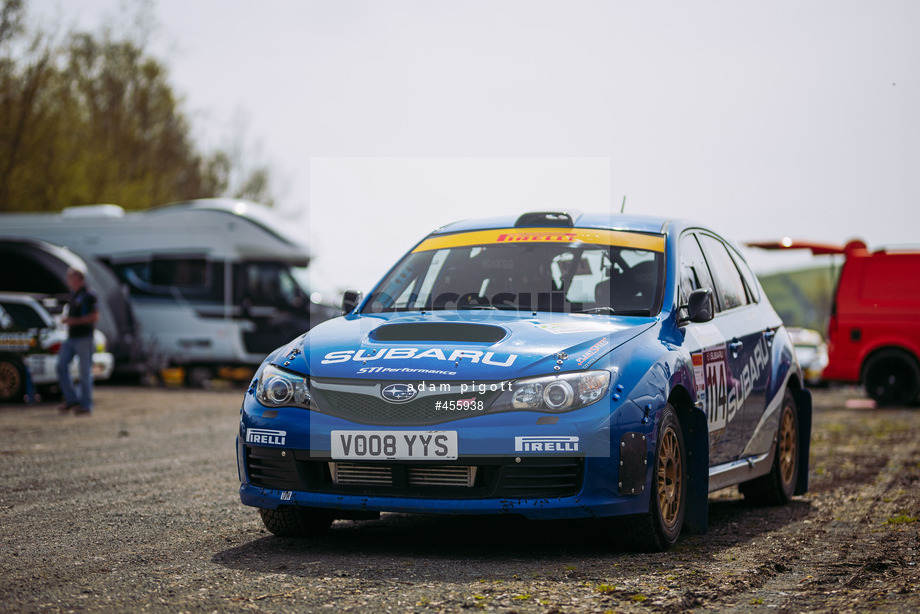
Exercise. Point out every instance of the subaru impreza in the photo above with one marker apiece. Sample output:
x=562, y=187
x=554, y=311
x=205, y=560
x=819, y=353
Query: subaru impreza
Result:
x=554, y=366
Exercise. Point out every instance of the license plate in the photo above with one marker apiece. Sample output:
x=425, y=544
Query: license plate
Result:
x=394, y=445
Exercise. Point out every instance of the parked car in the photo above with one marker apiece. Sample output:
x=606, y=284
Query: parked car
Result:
x=811, y=351
x=873, y=336
x=30, y=340
x=552, y=366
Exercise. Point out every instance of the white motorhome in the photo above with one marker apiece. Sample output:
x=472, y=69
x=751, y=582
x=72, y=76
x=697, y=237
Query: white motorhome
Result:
x=211, y=280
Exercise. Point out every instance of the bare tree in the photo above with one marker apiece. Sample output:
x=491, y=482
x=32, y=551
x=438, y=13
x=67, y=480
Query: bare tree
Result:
x=95, y=119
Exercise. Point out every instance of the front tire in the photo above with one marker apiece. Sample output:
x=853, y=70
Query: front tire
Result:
x=12, y=379
x=659, y=529
x=296, y=521
x=777, y=487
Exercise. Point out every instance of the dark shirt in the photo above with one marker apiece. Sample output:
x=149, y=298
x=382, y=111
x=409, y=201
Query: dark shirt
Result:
x=82, y=303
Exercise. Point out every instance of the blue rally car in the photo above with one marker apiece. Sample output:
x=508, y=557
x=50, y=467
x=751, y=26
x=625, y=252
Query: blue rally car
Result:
x=552, y=366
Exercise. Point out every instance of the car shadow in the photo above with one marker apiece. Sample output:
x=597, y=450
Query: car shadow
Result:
x=412, y=547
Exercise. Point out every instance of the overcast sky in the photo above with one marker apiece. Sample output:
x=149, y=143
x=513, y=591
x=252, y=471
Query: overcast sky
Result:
x=384, y=119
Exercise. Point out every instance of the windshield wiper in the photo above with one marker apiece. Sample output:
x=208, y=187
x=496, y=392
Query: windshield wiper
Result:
x=597, y=310
x=612, y=311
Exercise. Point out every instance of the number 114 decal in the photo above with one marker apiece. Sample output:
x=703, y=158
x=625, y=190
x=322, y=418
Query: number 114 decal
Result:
x=717, y=390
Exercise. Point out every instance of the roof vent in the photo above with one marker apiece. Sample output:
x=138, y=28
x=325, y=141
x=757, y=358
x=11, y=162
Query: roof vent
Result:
x=93, y=211
x=541, y=219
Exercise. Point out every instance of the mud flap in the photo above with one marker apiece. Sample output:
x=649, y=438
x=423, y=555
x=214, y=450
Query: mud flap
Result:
x=633, y=463
x=803, y=405
x=696, y=441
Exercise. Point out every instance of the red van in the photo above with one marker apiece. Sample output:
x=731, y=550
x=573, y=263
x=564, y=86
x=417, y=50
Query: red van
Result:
x=874, y=328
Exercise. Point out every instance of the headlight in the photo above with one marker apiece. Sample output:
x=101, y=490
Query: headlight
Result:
x=554, y=393
x=279, y=388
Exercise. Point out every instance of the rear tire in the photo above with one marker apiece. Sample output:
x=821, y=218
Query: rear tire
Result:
x=12, y=379
x=296, y=521
x=659, y=529
x=892, y=377
x=778, y=486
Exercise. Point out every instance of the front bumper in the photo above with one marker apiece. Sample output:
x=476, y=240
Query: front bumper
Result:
x=489, y=476
x=586, y=480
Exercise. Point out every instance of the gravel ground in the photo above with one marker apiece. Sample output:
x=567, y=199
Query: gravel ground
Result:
x=135, y=508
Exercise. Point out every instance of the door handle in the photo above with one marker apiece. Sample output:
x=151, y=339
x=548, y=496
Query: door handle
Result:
x=769, y=335
x=735, y=347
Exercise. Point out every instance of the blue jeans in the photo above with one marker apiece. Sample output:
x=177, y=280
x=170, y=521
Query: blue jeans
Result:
x=81, y=347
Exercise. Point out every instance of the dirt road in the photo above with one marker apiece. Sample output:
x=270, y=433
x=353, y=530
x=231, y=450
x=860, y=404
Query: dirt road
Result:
x=135, y=509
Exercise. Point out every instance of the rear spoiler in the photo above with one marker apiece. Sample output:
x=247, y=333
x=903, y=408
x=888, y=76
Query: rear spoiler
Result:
x=818, y=249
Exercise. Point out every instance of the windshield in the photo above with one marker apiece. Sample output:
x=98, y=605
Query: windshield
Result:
x=564, y=276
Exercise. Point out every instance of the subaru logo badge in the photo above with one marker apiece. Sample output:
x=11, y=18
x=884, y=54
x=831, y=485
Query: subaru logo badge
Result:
x=398, y=393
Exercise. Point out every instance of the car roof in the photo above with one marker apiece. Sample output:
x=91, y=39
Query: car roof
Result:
x=544, y=219
x=21, y=298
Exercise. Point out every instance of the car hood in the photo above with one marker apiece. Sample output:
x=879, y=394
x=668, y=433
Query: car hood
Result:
x=461, y=345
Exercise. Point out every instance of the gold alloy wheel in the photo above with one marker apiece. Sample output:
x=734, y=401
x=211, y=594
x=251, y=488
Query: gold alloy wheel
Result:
x=9, y=379
x=670, y=477
x=787, y=446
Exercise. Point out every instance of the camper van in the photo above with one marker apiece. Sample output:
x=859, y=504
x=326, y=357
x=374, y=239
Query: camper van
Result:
x=211, y=281
x=874, y=327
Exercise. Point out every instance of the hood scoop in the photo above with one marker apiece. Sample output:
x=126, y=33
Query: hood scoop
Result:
x=439, y=331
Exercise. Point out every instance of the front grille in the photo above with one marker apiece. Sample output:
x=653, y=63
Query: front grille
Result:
x=470, y=478
x=361, y=402
x=366, y=409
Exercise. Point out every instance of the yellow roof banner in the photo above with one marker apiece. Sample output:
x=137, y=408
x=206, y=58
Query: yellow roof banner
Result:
x=592, y=236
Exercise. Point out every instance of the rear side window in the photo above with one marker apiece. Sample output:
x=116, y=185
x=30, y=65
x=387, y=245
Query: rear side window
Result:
x=750, y=281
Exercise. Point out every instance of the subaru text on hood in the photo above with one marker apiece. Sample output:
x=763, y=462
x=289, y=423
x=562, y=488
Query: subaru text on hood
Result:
x=608, y=367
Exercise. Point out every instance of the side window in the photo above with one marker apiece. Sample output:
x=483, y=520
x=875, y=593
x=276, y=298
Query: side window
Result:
x=694, y=274
x=750, y=281
x=725, y=273
x=181, y=273
x=23, y=316
x=194, y=279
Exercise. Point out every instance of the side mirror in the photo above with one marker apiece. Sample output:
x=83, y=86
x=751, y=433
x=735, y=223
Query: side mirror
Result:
x=350, y=300
x=700, y=306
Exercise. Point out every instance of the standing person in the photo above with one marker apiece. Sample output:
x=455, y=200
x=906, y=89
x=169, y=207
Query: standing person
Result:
x=80, y=318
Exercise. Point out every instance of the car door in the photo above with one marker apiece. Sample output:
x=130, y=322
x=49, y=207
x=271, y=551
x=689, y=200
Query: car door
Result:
x=712, y=362
x=747, y=336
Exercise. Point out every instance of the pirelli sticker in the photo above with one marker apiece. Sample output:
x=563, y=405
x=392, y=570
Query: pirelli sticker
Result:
x=592, y=236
